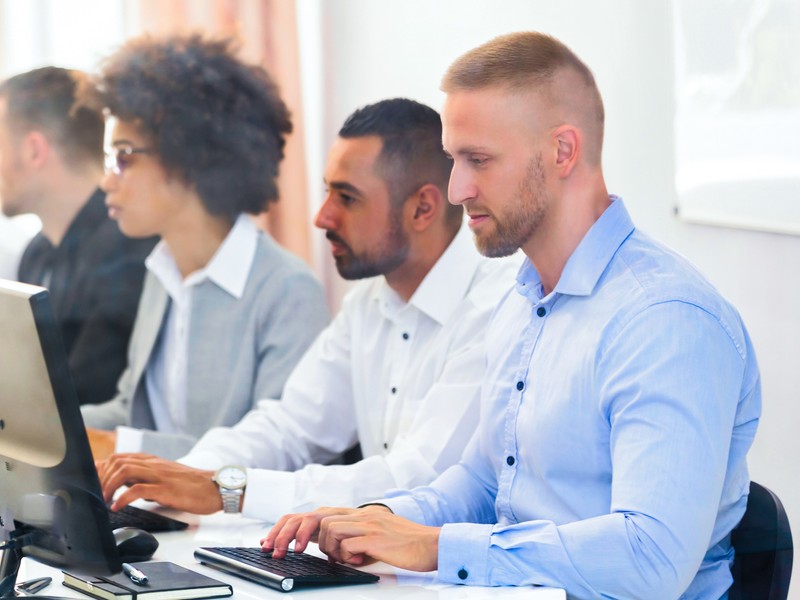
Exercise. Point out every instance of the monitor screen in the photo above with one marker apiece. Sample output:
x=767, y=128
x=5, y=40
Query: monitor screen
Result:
x=50, y=498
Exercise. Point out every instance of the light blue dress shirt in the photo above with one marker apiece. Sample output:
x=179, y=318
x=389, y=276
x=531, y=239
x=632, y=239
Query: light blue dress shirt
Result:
x=615, y=418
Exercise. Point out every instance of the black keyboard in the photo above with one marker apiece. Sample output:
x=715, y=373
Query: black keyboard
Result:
x=297, y=569
x=130, y=516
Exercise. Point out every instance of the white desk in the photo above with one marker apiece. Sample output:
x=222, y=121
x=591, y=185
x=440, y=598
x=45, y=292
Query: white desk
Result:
x=233, y=530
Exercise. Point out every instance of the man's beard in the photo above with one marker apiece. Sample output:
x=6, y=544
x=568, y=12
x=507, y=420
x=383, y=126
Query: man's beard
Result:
x=524, y=215
x=390, y=255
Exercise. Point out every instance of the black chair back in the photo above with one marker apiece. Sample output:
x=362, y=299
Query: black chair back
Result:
x=762, y=542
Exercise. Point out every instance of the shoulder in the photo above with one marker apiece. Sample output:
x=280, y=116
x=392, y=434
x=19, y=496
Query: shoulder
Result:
x=274, y=262
x=653, y=273
x=108, y=236
x=106, y=244
x=277, y=275
x=38, y=246
x=646, y=274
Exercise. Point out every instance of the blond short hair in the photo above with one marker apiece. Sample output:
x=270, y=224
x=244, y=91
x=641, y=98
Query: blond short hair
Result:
x=529, y=60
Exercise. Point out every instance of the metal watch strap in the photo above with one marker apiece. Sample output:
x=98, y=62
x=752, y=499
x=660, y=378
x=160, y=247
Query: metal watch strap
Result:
x=230, y=500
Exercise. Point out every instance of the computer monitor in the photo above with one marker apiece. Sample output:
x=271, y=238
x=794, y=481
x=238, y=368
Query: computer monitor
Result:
x=51, y=504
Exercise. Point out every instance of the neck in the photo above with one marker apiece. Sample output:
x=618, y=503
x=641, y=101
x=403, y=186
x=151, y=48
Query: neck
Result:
x=65, y=198
x=424, y=252
x=194, y=241
x=568, y=220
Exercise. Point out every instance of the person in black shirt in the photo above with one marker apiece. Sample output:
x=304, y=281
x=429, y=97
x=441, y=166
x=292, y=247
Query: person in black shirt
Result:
x=51, y=160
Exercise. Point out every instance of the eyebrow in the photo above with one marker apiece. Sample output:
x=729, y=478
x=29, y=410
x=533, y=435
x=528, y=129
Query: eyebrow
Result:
x=472, y=150
x=466, y=150
x=343, y=186
x=122, y=142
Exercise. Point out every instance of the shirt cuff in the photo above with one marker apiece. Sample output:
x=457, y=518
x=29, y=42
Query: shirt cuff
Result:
x=129, y=440
x=464, y=553
x=269, y=494
x=206, y=461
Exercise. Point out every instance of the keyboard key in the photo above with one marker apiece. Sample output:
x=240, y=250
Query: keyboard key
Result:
x=296, y=569
x=131, y=516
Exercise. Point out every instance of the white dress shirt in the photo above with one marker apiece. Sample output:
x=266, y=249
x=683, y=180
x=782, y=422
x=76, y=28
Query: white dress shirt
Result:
x=166, y=374
x=403, y=379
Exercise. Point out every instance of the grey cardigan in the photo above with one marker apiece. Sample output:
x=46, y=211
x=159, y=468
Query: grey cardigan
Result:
x=240, y=350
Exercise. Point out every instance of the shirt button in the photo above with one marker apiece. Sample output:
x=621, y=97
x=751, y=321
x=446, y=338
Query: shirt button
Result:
x=520, y=385
x=385, y=445
x=462, y=574
x=541, y=311
x=394, y=390
x=405, y=336
x=510, y=461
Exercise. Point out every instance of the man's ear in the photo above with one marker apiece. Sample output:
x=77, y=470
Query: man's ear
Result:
x=35, y=148
x=423, y=206
x=568, y=141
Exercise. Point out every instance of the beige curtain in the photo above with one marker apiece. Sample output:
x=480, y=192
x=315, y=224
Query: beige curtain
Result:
x=267, y=33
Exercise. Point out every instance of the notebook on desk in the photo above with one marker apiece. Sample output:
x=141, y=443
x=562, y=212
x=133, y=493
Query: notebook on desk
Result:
x=166, y=581
x=297, y=570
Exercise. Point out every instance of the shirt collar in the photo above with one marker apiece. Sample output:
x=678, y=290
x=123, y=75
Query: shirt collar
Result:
x=589, y=260
x=228, y=268
x=446, y=284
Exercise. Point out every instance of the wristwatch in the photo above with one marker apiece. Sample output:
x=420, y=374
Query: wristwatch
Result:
x=231, y=481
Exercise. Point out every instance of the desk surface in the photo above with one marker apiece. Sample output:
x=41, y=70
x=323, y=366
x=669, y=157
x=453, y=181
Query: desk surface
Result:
x=234, y=530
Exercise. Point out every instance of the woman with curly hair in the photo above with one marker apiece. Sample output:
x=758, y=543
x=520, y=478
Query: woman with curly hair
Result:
x=194, y=140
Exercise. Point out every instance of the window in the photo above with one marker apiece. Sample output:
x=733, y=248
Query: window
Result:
x=737, y=121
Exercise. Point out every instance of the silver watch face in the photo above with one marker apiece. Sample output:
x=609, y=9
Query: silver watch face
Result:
x=232, y=478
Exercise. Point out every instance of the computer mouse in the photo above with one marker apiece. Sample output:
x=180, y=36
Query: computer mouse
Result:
x=134, y=544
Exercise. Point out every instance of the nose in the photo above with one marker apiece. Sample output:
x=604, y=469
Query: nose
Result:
x=326, y=215
x=462, y=185
x=109, y=181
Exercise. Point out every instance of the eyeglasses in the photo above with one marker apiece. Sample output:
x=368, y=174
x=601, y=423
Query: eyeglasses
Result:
x=117, y=159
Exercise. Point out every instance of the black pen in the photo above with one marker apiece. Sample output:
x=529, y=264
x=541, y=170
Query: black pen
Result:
x=135, y=574
x=34, y=585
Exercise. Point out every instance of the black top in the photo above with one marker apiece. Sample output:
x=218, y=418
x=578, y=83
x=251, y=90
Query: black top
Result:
x=95, y=278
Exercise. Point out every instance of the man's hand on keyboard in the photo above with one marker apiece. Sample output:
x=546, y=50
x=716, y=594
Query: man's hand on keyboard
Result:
x=358, y=536
x=301, y=527
x=164, y=481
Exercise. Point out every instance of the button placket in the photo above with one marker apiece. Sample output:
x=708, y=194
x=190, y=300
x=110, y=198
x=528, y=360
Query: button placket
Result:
x=399, y=357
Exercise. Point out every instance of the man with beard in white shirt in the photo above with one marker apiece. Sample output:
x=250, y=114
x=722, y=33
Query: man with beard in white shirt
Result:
x=399, y=369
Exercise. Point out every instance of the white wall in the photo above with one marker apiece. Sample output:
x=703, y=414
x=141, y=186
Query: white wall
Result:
x=74, y=34
x=374, y=49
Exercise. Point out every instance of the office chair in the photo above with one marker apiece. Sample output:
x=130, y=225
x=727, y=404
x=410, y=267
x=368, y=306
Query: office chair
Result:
x=762, y=542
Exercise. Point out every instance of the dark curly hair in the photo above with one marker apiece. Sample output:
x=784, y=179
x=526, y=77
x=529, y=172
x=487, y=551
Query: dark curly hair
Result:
x=216, y=123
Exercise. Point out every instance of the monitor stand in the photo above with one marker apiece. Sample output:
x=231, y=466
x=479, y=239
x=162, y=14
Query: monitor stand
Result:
x=9, y=565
